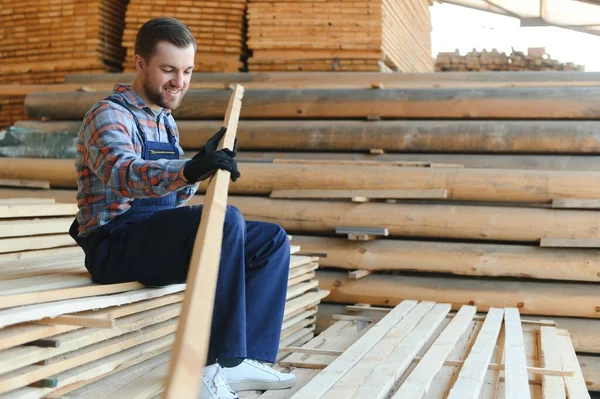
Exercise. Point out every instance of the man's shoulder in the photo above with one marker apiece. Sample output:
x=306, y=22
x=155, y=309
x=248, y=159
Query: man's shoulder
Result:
x=107, y=110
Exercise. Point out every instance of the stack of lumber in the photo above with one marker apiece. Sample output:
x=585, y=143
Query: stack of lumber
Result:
x=339, y=35
x=60, y=332
x=219, y=29
x=41, y=42
x=472, y=189
x=421, y=349
x=493, y=60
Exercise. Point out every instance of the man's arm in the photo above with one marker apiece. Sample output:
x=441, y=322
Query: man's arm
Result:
x=110, y=153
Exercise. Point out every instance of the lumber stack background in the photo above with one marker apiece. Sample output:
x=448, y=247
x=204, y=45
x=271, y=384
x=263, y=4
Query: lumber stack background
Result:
x=219, y=29
x=501, y=148
x=42, y=42
x=339, y=35
x=536, y=59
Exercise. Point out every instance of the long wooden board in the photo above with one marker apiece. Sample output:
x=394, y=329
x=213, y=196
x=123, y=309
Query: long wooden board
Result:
x=193, y=333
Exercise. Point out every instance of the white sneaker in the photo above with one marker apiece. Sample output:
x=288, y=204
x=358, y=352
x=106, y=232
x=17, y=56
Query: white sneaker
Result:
x=255, y=375
x=214, y=384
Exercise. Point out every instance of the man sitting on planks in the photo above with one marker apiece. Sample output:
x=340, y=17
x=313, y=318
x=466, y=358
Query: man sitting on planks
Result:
x=133, y=227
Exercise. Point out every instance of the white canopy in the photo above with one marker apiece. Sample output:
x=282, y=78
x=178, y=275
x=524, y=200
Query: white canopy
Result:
x=579, y=15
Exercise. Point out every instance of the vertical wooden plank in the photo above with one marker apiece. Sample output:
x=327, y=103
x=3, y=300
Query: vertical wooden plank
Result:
x=471, y=376
x=340, y=366
x=191, y=344
x=576, y=388
x=515, y=373
x=377, y=372
x=419, y=381
x=552, y=387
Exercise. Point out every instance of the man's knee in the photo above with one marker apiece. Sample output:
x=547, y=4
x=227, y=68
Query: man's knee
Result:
x=234, y=220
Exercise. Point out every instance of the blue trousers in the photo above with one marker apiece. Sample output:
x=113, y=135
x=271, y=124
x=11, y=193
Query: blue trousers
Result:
x=252, y=282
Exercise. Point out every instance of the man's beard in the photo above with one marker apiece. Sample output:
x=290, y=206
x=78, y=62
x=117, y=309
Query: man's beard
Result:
x=157, y=97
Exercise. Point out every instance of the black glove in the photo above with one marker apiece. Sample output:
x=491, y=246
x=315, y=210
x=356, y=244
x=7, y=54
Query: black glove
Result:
x=202, y=167
x=212, y=143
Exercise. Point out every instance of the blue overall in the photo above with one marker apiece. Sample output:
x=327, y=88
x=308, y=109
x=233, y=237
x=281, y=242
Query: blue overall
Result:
x=152, y=243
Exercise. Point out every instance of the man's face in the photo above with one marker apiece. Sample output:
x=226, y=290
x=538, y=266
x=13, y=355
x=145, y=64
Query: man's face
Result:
x=166, y=77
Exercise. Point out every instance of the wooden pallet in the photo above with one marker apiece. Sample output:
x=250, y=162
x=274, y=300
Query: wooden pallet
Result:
x=339, y=35
x=418, y=350
x=218, y=28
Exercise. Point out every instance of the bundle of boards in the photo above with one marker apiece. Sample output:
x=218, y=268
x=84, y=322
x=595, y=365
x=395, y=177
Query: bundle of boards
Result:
x=339, y=35
x=60, y=332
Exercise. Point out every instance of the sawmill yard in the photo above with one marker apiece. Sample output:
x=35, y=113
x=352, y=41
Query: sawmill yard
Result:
x=443, y=214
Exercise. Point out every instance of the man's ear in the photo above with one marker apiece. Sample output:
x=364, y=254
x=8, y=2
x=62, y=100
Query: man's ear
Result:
x=140, y=64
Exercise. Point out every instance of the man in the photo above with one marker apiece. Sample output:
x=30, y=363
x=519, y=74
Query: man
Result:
x=133, y=227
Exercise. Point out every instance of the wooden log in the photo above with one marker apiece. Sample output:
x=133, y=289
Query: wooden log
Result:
x=539, y=298
x=456, y=258
x=423, y=220
x=560, y=137
x=495, y=103
x=462, y=184
x=325, y=78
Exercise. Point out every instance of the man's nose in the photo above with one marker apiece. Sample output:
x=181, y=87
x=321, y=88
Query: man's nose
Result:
x=177, y=81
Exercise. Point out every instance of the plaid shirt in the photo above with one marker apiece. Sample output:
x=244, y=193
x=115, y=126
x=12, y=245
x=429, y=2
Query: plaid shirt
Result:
x=109, y=164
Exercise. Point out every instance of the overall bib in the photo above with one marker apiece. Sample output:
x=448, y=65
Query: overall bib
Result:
x=152, y=243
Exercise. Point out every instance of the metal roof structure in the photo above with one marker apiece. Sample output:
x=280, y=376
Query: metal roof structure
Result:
x=579, y=15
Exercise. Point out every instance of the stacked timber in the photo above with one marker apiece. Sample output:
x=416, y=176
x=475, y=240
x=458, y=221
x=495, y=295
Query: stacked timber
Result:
x=339, y=35
x=219, y=29
x=59, y=331
x=41, y=42
x=536, y=60
x=451, y=187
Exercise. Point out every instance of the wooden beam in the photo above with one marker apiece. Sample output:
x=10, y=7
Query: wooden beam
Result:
x=193, y=333
x=39, y=311
x=515, y=370
x=570, y=242
x=451, y=103
x=445, y=136
x=469, y=259
x=533, y=298
x=527, y=186
x=368, y=194
x=423, y=220
x=572, y=203
x=323, y=78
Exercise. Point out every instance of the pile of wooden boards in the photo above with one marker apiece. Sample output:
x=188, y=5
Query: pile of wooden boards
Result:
x=219, y=29
x=60, y=332
x=339, y=35
x=487, y=196
x=40, y=42
x=493, y=60
x=420, y=349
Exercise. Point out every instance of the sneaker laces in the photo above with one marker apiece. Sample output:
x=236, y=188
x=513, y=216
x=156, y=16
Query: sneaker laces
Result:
x=219, y=382
x=260, y=364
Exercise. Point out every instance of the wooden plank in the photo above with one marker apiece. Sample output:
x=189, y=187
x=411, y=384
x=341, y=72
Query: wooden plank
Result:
x=576, y=386
x=377, y=372
x=37, y=210
x=7, y=301
x=40, y=311
x=319, y=385
x=419, y=381
x=548, y=242
x=516, y=380
x=552, y=387
x=193, y=333
x=35, y=243
x=15, y=358
x=31, y=374
x=572, y=203
x=451, y=103
x=373, y=194
x=44, y=185
x=426, y=138
x=357, y=274
x=472, y=374
x=456, y=258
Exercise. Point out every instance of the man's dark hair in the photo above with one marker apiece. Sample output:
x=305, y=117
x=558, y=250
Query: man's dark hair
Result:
x=162, y=29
